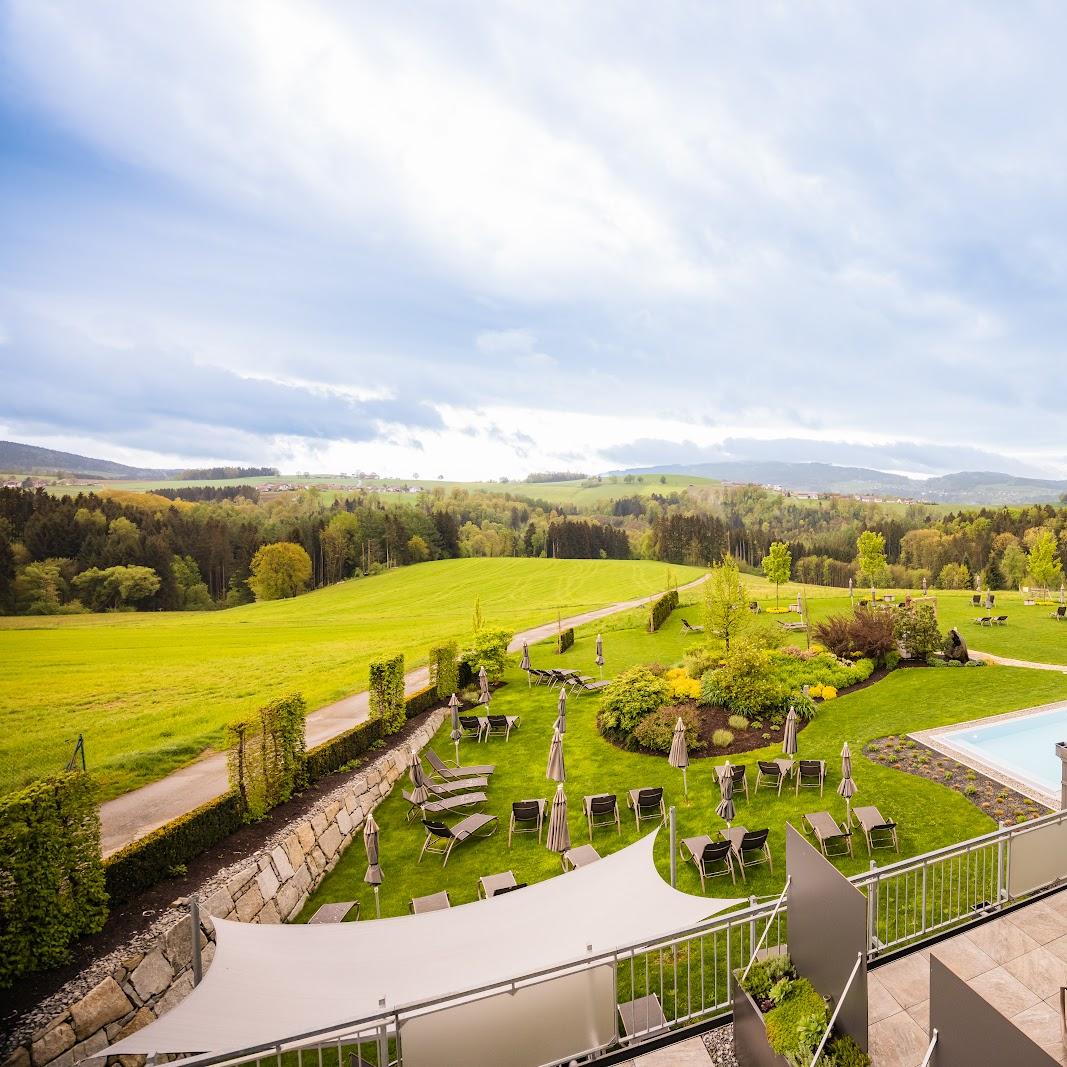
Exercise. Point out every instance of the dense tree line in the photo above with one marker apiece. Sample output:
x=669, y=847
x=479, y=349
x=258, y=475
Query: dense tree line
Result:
x=210, y=492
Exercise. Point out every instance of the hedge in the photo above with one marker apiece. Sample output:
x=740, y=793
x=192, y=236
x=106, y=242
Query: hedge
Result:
x=387, y=693
x=444, y=669
x=160, y=854
x=564, y=640
x=51, y=878
x=267, y=758
x=660, y=610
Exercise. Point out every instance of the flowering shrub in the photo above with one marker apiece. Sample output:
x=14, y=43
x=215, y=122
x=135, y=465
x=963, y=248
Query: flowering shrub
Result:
x=632, y=695
x=681, y=685
x=656, y=730
x=822, y=692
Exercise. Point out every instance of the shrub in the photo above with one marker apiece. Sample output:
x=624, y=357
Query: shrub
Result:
x=267, y=757
x=803, y=705
x=660, y=610
x=844, y=1052
x=722, y=738
x=51, y=879
x=795, y=1025
x=798, y=669
x=682, y=686
x=444, y=669
x=632, y=695
x=699, y=660
x=387, y=693
x=564, y=640
x=737, y=722
x=915, y=628
x=488, y=649
x=656, y=730
x=868, y=631
x=828, y=692
x=422, y=701
x=764, y=974
x=744, y=683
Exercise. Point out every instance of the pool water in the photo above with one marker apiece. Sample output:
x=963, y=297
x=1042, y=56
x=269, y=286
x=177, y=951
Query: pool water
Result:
x=1024, y=748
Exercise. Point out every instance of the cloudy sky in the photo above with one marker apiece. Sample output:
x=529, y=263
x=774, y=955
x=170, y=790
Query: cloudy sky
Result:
x=480, y=239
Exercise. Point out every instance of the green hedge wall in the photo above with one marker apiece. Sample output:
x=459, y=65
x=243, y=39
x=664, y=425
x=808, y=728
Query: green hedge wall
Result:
x=156, y=856
x=444, y=669
x=564, y=640
x=660, y=610
x=387, y=693
x=51, y=878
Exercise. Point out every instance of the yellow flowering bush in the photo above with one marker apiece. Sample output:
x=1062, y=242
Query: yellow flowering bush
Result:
x=828, y=692
x=681, y=685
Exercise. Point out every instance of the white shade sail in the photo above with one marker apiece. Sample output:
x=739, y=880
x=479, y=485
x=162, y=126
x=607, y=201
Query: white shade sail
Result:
x=272, y=983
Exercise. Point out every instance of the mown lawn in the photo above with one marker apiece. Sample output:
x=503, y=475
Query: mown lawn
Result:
x=929, y=814
x=152, y=692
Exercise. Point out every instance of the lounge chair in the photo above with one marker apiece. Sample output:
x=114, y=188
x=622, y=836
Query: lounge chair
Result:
x=561, y=676
x=472, y=726
x=984, y=620
x=589, y=685
x=712, y=858
x=687, y=629
x=491, y=884
x=739, y=773
x=753, y=606
x=829, y=835
x=441, y=839
x=1060, y=612
x=459, y=785
x=641, y=1017
x=580, y=856
x=1000, y=620
x=749, y=847
x=879, y=831
x=433, y=902
x=500, y=726
x=335, y=912
x=647, y=804
x=771, y=774
x=811, y=773
x=451, y=774
x=976, y=600
x=444, y=806
x=602, y=810
x=527, y=817
x=539, y=676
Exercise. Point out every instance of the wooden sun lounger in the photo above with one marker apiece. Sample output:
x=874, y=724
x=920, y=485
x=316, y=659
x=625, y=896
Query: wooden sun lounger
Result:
x=824, y=826
x=334, y=912
x=873, y=822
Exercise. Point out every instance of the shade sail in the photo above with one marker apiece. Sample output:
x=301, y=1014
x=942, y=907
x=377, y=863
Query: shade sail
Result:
x=274, y=982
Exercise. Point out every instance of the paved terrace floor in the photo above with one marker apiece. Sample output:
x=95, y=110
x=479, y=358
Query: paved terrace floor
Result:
x=1017, y=962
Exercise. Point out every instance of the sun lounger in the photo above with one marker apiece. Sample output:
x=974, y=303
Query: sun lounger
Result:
x=589, y=685
x=433, y=902
x=539, y=676
x=641, y=1017
x=811, y=773
x=500, y=726
x=877, y=829
x=985, y=620
x=687, y=629
x=335, y=912
x=561, y=676
x=491, y=884
x=712, y=858
x=443, y=806
x=1000, y=620
x=739, y=773
x=976, y=600
x=442, y=839
x=472, y=726
x=580, y=856
x=527, y=817
x=452, y=774
x=459, y=785
x=602, y=810
x=647, y=804
x=749, y=847
x=1060, y=612
x=829, y=835
x=770, y=774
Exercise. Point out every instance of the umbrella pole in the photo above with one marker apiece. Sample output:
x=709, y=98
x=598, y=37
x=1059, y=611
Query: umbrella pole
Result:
x=377, y=903
x=685, y=782
x=456, y=743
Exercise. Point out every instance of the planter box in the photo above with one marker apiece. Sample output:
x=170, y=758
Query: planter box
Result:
x=751, y=1046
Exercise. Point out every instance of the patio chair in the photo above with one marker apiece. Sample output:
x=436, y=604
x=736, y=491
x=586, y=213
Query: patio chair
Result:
x=647, y=804
x=749, y=847
x=739, y=773
x=1060, y=612
x=976, y=600
x=879, y=831
x=433, y=902
x=810, y=773
x=491, y=884
x=641, y=1017
x=753, y=606
x=1000, y=620
x=770, y=774
x=527, y=817
x=335, y=912
x=451, y=774
x=688, y=629
x=829, y=835
x=443, y=806
x=602, y=810
x=712, y=858
x=579, y=856
x=472, y=726
x=441, y=839
x=984, y=620
x=500, y=726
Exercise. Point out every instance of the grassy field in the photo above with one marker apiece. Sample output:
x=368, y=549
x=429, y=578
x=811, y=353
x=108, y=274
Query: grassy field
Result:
x=929, y=814
x=151, y=692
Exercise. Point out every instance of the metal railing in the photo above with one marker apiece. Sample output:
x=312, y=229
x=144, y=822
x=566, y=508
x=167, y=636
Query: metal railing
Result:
x=689, y=973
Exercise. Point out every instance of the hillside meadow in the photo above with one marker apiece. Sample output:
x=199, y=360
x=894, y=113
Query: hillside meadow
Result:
x=151, y=692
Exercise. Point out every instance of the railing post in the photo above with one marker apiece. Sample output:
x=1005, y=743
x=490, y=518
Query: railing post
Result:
x=1002, y=889
x=194, y=921
x=672, y=820
x=930, y=1049
x=872, y=910
x=752, y=929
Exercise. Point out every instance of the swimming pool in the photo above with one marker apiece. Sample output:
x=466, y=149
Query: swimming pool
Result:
x=1021, y=747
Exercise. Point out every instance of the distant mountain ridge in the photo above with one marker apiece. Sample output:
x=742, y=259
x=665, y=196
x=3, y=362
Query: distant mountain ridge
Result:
x=30, y=459
x=965, y=487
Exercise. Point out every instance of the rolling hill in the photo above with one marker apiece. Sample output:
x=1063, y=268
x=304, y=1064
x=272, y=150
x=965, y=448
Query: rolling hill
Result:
x=30, y=459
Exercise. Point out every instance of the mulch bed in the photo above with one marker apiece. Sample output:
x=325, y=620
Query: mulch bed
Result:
x=913, y=757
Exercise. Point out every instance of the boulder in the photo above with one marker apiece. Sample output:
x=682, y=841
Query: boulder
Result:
x=53, y=1043
x=103, y=1004
x=249, y=904
x=153, y=975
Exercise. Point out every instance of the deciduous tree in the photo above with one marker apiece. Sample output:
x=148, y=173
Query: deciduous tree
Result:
x=725, y=601
x=279, y=570
x=778, y=566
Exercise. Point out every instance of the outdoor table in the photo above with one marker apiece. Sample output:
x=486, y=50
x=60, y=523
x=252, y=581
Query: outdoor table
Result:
x=581, y=856
x=491, y=884
x=335, y=912
x=433, y=902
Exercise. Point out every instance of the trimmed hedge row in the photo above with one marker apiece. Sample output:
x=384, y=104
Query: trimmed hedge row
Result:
x=565, y=640
x=387, y=692
x=660, y=610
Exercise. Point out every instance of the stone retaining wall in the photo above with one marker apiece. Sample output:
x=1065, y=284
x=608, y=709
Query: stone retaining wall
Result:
x=147, y=977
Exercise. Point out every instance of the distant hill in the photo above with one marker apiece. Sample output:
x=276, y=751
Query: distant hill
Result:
x=967, y=487
x=29, y=459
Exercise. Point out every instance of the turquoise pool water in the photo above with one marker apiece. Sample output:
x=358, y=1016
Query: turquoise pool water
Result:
x=1023, y=748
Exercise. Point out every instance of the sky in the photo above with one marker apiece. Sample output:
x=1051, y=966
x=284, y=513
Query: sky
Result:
x=477, y=240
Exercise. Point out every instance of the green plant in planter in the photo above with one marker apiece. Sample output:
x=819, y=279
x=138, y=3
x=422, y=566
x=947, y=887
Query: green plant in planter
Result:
x=844, y=1052
x=795, y=1026
x=765, y=974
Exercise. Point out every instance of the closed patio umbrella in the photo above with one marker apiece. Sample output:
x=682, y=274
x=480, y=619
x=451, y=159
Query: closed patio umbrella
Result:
x=561, y=718
x=789, y=737
x=600, y=654
x=457, y=733
x=847, y=788
x=850, y=589
x=421, y=793
x=524, y=663
x=373, y=877
x=725, y=810
x=483, y=686
x=557, y=771
x=559, y=834
x=679, y=756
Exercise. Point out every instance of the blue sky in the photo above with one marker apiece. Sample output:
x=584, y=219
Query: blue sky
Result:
x=476, y=240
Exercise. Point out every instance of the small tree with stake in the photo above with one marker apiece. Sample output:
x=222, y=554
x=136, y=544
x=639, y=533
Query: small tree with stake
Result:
x=778, y=566
x=725, y=608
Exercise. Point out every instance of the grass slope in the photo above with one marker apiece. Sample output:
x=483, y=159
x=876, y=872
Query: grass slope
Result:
x=151, y=692
x=930, y=815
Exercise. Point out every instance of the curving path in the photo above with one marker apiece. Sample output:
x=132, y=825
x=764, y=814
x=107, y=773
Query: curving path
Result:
x=1006, y=661
x=143, y=810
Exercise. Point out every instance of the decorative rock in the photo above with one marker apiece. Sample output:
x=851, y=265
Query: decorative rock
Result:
x=331, y=811
x=207, y=955
x=240, y=880
x=281, y=863
x=153, y=975
x=178, y=943
x=302, y=878
x=143, y=1017
x=19, y=1058
x=287, y=899
x=330, y=841
x=294, y=853
x=103, y=1004
x=269, y=914
x=344, y=822
x=178, y=991
x=53, y=1043
x=268, y=883
x=318, y=824
x=249, y=904
x=306, y=836
x=90, y=1046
